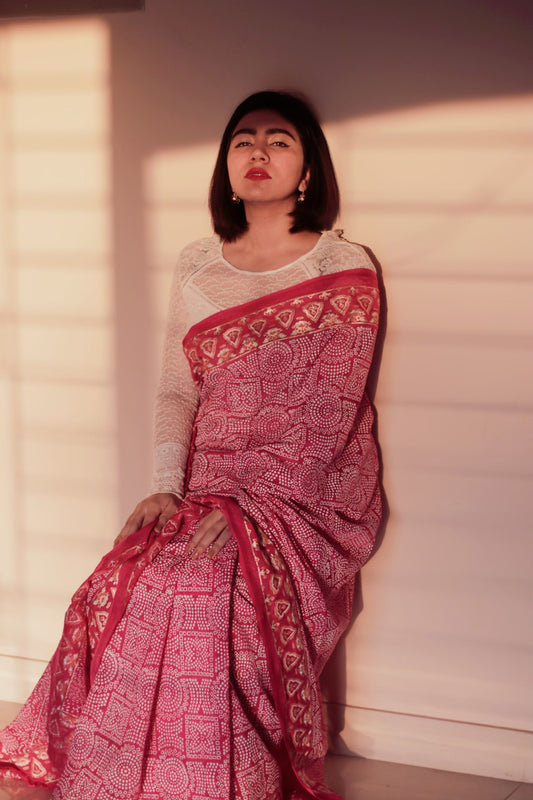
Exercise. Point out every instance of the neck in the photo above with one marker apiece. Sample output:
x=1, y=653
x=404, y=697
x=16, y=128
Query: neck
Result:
x=268, y=223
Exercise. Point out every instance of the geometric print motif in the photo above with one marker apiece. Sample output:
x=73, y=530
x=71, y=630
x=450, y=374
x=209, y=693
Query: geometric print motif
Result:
x=282, y=611
x=349, y=304
x=195, y=652
x=198, y=680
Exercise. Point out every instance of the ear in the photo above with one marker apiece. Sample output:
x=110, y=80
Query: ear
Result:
x=302, y=186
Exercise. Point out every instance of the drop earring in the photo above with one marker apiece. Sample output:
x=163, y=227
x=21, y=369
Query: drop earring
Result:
x=235, y=198
x=301, y=197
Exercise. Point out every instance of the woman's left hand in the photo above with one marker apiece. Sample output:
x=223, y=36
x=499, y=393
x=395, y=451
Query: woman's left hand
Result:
x=212, y=534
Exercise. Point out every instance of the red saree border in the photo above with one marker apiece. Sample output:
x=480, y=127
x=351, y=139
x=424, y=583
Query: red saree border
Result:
x=270, y=586
x=318, y=304
x=310, y=286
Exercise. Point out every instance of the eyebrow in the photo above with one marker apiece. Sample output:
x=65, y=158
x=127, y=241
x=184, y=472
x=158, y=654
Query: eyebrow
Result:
x=253, y=131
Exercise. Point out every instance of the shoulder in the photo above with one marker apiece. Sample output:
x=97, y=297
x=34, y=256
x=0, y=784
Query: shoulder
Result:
x=340, y=253
x=196, y=255
x=200, y=249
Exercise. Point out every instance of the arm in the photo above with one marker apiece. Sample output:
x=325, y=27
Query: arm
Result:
x=175, y=408
x=176, y=398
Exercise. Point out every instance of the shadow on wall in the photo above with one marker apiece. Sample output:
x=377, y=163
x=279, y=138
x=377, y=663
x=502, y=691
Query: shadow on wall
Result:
x=179, y=69
x=333, y=679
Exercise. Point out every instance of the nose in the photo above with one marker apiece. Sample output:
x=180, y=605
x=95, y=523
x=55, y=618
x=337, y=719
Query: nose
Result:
x=258, y=154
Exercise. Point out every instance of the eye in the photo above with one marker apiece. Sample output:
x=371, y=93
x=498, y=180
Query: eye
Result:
x=279, y=143
x=243, y=144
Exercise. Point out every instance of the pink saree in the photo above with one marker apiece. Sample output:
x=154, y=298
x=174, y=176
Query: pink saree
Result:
x=199, y=679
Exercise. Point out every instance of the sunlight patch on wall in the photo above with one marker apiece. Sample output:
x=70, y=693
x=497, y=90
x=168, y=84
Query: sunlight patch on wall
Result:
x=57, y=376
x=442, y=189
x=176, y=184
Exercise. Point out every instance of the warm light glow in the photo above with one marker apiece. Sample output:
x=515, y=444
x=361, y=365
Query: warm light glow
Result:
x=175, y=186
x=61, y=51
x=58, y=470
x=70, y=174
x=443, y=195
x=441, y=188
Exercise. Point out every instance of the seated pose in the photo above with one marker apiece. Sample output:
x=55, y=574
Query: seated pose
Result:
x=190, y=659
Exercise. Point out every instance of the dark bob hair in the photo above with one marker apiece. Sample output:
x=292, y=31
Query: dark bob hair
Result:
x=321, y=206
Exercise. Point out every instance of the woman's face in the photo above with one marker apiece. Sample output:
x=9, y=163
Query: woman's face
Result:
x=266, y=159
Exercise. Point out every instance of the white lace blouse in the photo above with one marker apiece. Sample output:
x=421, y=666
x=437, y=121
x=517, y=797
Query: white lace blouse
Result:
x=204, y=283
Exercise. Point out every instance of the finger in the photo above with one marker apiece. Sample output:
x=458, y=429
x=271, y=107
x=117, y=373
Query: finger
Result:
x=134, y=522
x=212, y=521
x=130, y=527
x=219, y=543
x=207, y=543
x=161, y=522
x=207, y=533
x=168, y=512
x=208, y=530
x=122, y=535
x=146, y=515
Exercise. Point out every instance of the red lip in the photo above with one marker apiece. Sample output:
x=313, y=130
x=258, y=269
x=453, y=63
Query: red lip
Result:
x=257, y=174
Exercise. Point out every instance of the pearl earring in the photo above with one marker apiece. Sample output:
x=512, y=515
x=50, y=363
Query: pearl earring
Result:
x=235, y=198
x=301, y=198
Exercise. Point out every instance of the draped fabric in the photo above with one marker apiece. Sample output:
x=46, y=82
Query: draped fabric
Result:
x=196, y=679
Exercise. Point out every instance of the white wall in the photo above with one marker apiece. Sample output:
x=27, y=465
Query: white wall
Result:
x=107, y=142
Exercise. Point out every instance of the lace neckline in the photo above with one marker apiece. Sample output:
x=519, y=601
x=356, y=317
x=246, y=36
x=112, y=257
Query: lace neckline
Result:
x=323, y=237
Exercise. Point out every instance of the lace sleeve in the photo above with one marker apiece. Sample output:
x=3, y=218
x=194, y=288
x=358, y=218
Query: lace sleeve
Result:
x=339, y=254
x=177, y=396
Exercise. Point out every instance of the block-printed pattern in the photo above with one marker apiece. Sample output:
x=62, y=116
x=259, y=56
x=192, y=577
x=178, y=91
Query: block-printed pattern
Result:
x=199, y=679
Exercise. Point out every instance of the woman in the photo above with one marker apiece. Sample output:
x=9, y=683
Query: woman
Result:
x=190, y=658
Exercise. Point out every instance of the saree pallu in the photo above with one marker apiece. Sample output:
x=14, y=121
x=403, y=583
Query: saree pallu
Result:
x=177, y=678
